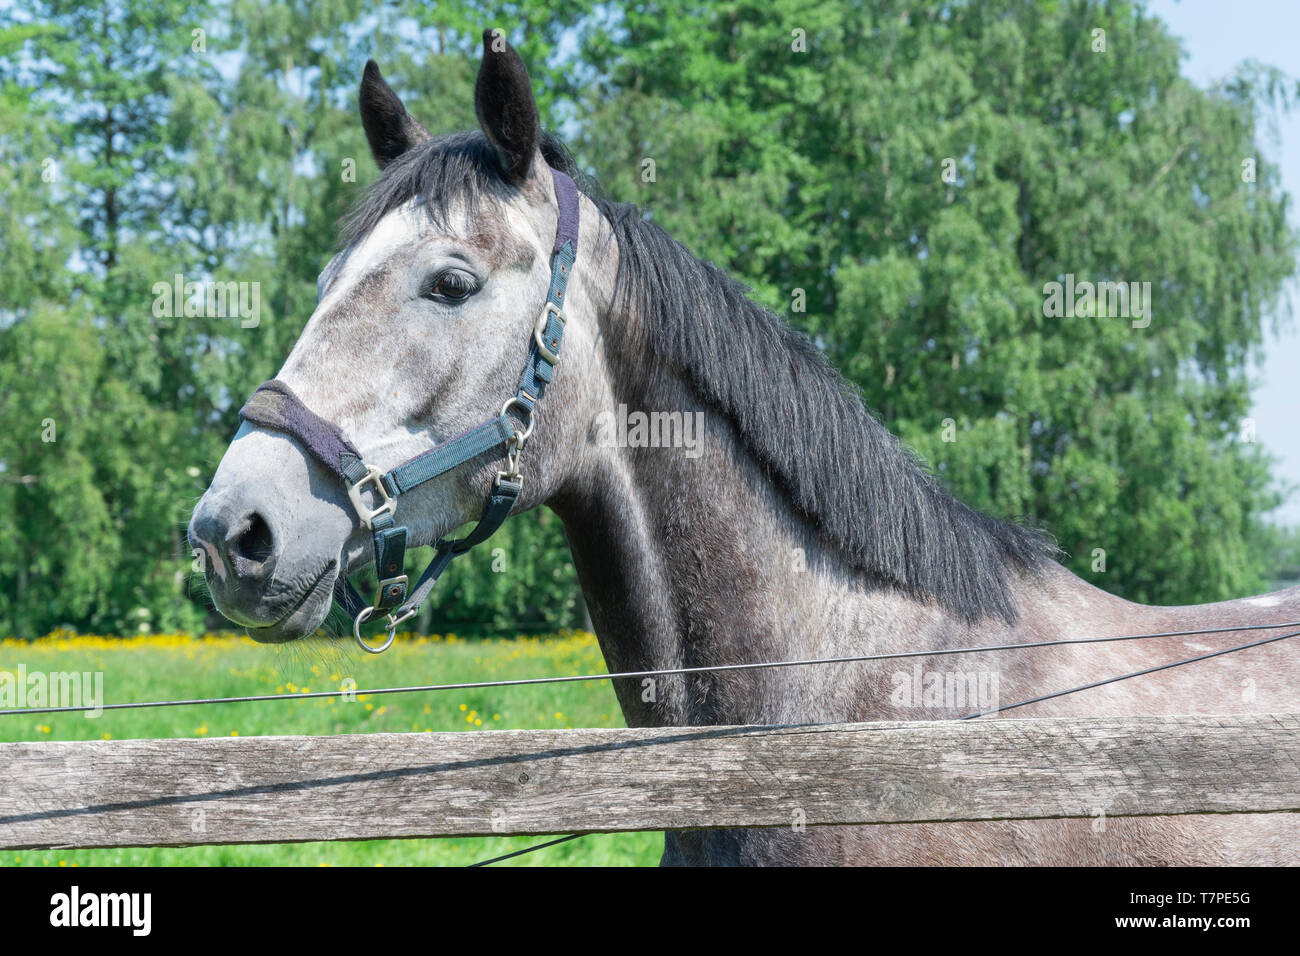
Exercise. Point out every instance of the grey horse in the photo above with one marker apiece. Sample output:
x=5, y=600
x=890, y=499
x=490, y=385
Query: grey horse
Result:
x=793, y=526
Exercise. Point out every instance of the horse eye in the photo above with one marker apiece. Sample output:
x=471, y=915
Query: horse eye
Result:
x=450, y=286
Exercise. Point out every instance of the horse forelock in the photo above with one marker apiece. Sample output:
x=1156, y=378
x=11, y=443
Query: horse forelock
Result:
x=446, y=173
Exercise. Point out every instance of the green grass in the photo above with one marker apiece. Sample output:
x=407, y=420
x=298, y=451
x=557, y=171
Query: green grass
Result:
x=170, y=667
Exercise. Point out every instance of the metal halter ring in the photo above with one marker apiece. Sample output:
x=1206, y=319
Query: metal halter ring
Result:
x=528, y=414
x=365, y=616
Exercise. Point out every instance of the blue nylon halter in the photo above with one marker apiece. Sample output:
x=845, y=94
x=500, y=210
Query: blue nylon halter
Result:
x=274, y=405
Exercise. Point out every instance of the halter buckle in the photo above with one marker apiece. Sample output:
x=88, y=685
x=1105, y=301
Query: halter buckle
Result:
x=389, y=504
x=400, y=581
x=540, y=329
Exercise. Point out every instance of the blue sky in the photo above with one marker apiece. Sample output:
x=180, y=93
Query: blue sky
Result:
x=1216, y=37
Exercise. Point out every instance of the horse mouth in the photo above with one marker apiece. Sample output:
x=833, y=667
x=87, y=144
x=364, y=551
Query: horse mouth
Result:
x=293, y=624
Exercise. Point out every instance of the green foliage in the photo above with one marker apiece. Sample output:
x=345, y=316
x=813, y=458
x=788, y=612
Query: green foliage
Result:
x=218, y=139
x=1283, y=549
x=98, y=513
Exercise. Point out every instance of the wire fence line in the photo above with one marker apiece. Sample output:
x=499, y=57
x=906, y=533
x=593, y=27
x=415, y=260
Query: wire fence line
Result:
x=803, y=662
x=665, y=671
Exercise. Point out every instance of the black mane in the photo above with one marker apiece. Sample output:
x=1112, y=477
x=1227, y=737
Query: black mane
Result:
x=808, y=428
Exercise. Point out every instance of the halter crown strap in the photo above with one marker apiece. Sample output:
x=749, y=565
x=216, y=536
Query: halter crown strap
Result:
x=274, y=405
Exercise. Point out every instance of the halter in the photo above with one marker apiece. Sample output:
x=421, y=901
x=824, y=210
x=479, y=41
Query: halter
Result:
x=274, y=405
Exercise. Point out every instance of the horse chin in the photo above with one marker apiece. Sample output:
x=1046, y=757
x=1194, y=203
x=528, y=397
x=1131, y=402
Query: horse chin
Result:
x=304, y=620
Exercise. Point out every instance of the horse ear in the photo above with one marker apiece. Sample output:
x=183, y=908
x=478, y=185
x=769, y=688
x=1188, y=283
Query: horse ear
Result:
x=389, y=128
x=503, y=102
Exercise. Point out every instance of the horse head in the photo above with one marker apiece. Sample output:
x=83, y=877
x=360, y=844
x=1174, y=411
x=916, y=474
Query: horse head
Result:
x=445, y=287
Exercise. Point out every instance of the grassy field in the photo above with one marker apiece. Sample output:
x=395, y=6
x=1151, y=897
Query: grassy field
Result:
x=163, y=667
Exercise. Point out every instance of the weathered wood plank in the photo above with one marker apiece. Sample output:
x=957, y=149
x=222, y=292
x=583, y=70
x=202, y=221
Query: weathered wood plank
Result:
x=285, y=789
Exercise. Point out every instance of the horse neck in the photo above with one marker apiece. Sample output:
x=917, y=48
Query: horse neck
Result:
x=692, y=557
x=695, y=561
x=674, y=554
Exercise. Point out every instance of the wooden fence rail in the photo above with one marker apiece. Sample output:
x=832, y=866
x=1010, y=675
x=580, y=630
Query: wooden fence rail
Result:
x=370, y=786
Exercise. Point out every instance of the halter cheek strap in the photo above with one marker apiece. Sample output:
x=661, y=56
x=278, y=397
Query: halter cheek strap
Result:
x=274, y=405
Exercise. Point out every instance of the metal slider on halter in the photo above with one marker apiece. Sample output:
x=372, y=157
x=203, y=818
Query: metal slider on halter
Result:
x=274, y=405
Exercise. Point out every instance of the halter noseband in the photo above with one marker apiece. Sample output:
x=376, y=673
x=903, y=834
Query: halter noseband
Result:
x=274, y=405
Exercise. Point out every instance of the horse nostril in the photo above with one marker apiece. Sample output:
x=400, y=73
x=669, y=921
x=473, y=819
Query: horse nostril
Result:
x=255, y=544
